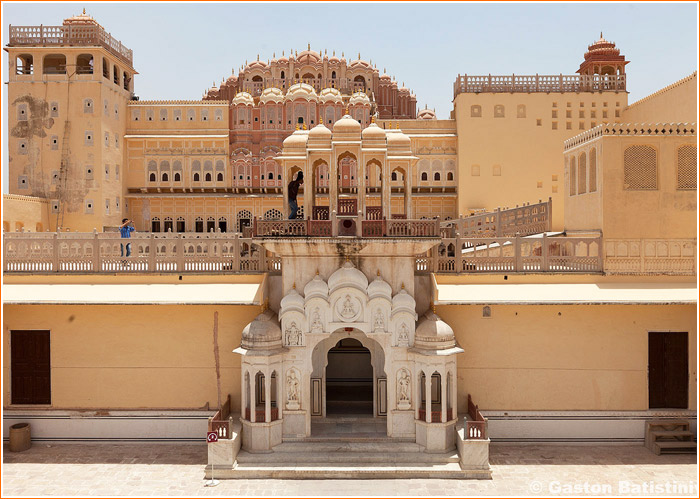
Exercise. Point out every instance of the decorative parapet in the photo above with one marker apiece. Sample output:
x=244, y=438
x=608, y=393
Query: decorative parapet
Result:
x=178, y=103
x=663, y=90
x=19, y=197
x=650, y=256
x=539, y=83
x=630, y=129
x=77, y=35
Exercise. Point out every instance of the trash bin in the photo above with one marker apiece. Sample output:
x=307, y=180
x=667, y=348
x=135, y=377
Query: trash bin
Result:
x=20, y=437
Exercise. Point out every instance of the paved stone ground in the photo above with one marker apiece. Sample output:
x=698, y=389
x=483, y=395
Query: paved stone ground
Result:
x=177, y=470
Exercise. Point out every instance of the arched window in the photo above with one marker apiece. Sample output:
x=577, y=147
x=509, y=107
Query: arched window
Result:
x=436, y=176
x=282, y=75
x=572, y=176
x=450, y=176
x=84, y=64
x=592, y=173
x=219, y=177
x=152, y=177
x=424, y=176
x=270, y=176
x=394, y=177
x=164, y=177
x=333, y=75
x=24, y=65
x=55, y=64
x=176, y=177
x=195, y=177
x=207, y=177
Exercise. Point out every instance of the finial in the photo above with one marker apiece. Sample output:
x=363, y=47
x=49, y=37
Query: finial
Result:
x=304, y=125
x=378, y=273
x=601, y=34
x=246, y=62
x=295, y=53
x=325, y=52
x=297, y=126
x=432, y=306
x=333, y=51
x=213, y=83
x=358, y=56
x=258, y=57
x=347, y=110
x=316, y=271
x=342, y=54
x=373, y=120
x=320, y=120
x=84, y=14
x=397, y=125
x=308, y=46
x=283, y=53
x=347, y=258
x=294, y=286
x=403, y=286
x=273, y=55
x=384, y=70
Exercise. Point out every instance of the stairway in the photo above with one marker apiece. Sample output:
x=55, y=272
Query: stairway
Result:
x=671, y=436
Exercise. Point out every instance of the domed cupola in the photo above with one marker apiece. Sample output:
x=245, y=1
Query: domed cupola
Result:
x=359, y=99
x=603, y=58
x=379, y=288
x=432, y=333
x=292, y=301
x=243, y=99
x=301, y=91
x=403, y=302
x=347, y=276
x=330, y=95
x=426, y=114
x=263, y=333
x=347, y=125
x=373, y=132
x=296, y=141
x=271, y=95
x=320, y=136
x=316, y=288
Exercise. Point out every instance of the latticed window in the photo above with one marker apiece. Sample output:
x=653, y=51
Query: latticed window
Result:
x=582, y=173
x=687, y=167
x=572, y=176
x=592, y=173
x=640, y=168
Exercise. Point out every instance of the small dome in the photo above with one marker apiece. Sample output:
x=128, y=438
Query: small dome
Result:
x=213, y=92
x=347, y=124
x=320, y=132
x=81, y=20
x=283, y=60
x=347, y=275
x=256, y=65
x=301, y=91
x=360, y=64
x=397, y=139
x=263, y=333
x=330, y=95
x=385, y=77
x=316, y=287
x=404, y=90
x=243, y=99
x=379, y=288
x=359, y=99
x=432, y=333
x=427, y=114
x=373, y=132
x=297, y=140
x=231, y=80
x=403, y=302
x=271, y=95
x=292, y=301
x=334, y=59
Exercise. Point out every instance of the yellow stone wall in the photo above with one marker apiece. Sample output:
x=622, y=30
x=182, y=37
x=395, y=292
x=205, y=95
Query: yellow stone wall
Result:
x=509, y=160
x=95, y=107
x=560, y=357
x=676, y=103
x=27, y=213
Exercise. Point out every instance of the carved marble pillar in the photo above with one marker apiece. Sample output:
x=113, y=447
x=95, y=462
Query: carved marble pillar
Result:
x=428, y=398
x=443, y=395
x=268, y=398
x=252, y=398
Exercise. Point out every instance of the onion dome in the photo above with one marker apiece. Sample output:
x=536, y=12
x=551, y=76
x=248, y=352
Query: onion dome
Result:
x=347, y=276
x=432, y=333
x=379, y=288
x=263, y=333
x=296, y=141
x=360, y=64
x=373, y=132
x=316, y=288
x=403, y=302
x=334, y=58
x=319, y=133
x=330, y=95
x=308, y=57
x=347, y=124
x=274, y=95
x=257, y=64
x=243, y=99
x=385, y=77
x=231, y=80
x=301, y=91
x=292, y=301
x=426, y=114
x=396, y=139
x=359, y=99
x=404, y=91
x=283, y=59
x=213, y=92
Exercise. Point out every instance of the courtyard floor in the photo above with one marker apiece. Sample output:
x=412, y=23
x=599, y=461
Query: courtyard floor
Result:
x=177, y=470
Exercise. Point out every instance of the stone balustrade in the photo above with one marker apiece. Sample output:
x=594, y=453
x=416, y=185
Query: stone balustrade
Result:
x=631, y=129
x=539, y=83
x=523, y=220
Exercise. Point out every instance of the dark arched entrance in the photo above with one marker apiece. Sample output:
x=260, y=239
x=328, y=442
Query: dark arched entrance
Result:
x=349, y=379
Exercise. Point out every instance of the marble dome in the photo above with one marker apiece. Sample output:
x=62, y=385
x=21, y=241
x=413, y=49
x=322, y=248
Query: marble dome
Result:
x=433, y=333
x=316, y=287
x=347, y=275
x=263, y=333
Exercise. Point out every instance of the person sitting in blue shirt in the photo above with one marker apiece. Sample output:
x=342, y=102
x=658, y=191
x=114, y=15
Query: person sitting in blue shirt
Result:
x=125, y=229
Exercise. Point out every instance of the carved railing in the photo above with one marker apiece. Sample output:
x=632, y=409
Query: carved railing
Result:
x=524, y=220
x=321, y=213
x=347, y=207
x=373, y=213
x=477, y=425
x=538, y=83
x=631, y=129
x=220, y=422
x=515, y=254
x=75, y=252
x=320, y=228
x=650, y=256
x=69, y=35
x=280, y=228
x=412, y=228
x=260, y=414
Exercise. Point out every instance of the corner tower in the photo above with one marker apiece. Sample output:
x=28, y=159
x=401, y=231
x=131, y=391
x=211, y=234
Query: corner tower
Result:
x=602, y=58
x=67, y=94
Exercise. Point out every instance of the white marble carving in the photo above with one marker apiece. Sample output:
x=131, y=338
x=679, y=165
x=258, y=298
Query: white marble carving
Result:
x=378, y=321
x=292, y=336
x=293, y=390
x=348, y=308
x=403, y=339
x=316, y=324
x=403, y=389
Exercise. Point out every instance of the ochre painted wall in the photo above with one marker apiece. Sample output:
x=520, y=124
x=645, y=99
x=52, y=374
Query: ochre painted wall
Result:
x=134, y=357
x=29, y=213
x=676, y=103
x=591, y=357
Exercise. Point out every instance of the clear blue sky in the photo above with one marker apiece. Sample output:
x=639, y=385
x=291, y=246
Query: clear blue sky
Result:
x=180, y=49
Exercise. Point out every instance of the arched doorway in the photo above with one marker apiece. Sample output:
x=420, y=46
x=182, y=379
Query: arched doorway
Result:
x=349, y=379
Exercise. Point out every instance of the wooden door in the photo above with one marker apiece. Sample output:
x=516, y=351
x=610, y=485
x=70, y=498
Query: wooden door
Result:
x=30, y=367
x=668, y=370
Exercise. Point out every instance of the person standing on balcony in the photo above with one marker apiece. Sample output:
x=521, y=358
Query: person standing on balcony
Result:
x=292, y=190
x=126, y=228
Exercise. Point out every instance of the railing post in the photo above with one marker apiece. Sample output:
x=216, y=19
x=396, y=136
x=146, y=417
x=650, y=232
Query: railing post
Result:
x=435, y=258
x=518, y=256
x=600, y=253
x=359, y=223
x=236, y=252
x=334, y=223
x=499, y=232
x=54, y=261
x=458, y=253
x=545, y=253
x=549, y=214
x=152, y=250
x=179, y=253
x=95, y=252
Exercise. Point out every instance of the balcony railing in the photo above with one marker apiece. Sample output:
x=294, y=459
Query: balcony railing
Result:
x=220, y=422
x=328, y=228
x=69, y=35
x=477, y=425
x=524, y=220
x=539, y=83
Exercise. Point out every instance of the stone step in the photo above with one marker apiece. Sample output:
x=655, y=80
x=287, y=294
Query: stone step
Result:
x=351, y=471
x=676, y=447
x=347, y=446
x=669, y=422
x=358, y=458
x=355, y=438
x=672, y=433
